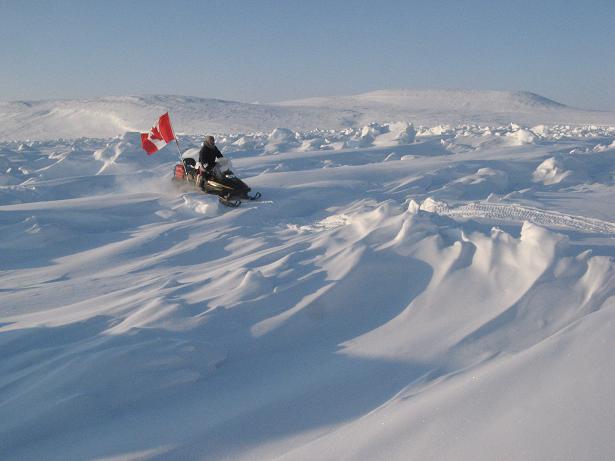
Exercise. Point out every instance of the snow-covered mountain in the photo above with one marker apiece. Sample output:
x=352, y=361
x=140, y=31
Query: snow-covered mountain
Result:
x=112, y=116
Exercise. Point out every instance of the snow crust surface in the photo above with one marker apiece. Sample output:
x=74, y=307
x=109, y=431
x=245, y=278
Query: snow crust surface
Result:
x=400, y=291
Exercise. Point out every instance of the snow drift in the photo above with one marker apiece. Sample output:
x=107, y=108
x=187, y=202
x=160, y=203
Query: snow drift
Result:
x=399, y=292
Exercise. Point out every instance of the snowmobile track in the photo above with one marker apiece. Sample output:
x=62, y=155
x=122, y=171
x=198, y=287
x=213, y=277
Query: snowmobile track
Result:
x=518, y=213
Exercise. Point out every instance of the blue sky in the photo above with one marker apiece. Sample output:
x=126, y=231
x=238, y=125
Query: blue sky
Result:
x=276, y=50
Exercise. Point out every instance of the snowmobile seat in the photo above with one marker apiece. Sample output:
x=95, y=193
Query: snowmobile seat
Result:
x=190, y=164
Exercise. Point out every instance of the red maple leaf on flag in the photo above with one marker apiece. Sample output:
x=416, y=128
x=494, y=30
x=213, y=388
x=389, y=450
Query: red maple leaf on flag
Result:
x=154, y=133
x=159, y=136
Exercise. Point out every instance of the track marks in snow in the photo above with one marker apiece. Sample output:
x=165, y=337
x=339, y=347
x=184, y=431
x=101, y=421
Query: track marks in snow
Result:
x=519, y=213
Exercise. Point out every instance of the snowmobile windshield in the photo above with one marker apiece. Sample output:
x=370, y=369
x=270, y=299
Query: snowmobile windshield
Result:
x=224, y=164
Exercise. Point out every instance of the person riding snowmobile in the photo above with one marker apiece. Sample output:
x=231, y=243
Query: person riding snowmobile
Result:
x=213, y=176
x=208, y=155
x=207, y=158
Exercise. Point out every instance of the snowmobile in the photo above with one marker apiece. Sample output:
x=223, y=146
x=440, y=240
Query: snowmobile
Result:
x=221, y=181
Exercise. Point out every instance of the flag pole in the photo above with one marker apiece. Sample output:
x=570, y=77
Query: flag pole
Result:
x=181, y=160
x=179, y=151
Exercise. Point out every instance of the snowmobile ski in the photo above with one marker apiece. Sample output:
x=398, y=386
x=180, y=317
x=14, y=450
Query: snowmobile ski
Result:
x=229, y=202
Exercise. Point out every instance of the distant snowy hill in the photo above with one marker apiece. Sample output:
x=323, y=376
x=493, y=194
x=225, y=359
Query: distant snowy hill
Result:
x=489, y=101
x=112, y=116
x=456, y=106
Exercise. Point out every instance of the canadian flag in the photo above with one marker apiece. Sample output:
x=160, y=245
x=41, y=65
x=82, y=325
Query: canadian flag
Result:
x=159, y=136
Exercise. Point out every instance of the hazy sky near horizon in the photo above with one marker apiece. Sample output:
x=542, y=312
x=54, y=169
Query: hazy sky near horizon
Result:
x=277, y=50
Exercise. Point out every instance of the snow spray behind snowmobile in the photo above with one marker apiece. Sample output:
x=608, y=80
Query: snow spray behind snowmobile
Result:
x=220, y=181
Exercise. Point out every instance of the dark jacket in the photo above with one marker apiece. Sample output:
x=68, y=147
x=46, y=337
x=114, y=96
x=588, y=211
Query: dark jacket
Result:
x=208, y=156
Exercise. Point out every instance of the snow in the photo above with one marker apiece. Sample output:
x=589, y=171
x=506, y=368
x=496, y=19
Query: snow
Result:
x=402, y=290
x=551, y=171
x=112, y=116
x=430, y=107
